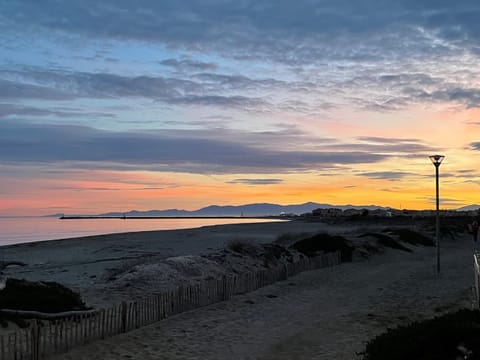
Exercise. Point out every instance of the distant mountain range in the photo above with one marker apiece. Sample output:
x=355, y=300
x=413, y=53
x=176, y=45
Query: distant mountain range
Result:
x=263, y=209
x=469, y=207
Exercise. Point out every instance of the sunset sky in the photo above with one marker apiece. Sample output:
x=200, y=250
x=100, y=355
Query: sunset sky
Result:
x=118, y=105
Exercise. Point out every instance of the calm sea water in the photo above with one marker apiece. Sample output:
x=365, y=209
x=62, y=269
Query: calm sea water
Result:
x=31, y=229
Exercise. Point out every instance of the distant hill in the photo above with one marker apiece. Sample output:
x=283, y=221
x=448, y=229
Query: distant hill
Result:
x=53, y=215
x=469, y=207
x=262, y=209
x=133, y=213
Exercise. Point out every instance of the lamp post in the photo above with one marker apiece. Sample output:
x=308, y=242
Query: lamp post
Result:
x=436, y=161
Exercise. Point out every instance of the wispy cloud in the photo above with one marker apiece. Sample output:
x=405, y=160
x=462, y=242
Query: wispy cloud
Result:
x=256, y=181
x=188, y=65
x=14, y=90
x=27, y=142
x=445, y=201
x=242, y=29
x=9, y=110
x=385, y=175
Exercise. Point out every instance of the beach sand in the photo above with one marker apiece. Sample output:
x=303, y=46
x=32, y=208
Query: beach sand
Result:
x=85, y=264
x=324, y=314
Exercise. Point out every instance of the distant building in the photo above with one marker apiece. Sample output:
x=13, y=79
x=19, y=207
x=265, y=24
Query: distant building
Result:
x=352, y=212
x=284, y=214
x=380, y=213
x=328, y=212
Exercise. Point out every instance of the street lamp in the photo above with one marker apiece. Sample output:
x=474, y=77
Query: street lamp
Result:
x=436, y=161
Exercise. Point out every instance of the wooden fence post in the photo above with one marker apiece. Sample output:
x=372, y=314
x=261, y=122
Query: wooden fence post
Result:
x=2, y=345
x=124, y=317
x=35, y=340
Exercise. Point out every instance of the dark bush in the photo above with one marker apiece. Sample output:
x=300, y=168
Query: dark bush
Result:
x=387, y=241
x=48, y=297
x=324, y=243
x=451, y=336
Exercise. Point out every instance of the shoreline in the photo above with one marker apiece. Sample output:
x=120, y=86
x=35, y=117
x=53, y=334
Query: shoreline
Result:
x=80, y=217
x=127, y=235
x=61, y=233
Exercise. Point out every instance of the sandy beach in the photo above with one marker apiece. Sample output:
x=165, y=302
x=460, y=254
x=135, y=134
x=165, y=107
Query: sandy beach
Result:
x=86, y=263
x=324, y=314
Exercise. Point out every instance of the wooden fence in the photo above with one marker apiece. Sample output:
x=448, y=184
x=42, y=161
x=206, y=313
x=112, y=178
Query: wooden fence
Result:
x=476, y=269
x=44, y=338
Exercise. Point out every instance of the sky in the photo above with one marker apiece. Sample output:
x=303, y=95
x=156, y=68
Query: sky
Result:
x=118, y=105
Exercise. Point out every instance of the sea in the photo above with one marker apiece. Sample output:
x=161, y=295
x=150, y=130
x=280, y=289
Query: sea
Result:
x=17, y=230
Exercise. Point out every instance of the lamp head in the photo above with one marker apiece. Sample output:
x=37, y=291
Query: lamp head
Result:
x=437, y=159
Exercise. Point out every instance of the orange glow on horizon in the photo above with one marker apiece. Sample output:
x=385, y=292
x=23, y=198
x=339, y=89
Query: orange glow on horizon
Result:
x=97, y=191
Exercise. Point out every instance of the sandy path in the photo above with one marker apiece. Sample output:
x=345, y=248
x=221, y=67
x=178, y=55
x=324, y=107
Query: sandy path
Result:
x=324, y=314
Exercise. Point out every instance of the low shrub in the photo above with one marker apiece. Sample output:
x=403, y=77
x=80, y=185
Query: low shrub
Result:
x=323, y=242
x=451, y=336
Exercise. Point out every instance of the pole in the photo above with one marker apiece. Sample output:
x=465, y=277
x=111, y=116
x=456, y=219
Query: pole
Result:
x=437, y=227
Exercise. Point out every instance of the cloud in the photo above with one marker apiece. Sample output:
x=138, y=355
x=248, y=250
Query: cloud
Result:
x=242, y=102
x=444, y=201
x=384, y=140
x=86, y=188
x=469, y=97
x=267, y=57
x=281, y=30
x=188, y=64
x=61, y=85
x=475, y=145
x=256, y=181
x=11, y=90
x=391, y=146
x=9, y=110
x=467, y=173
x=22, y=142
x=385, y=175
